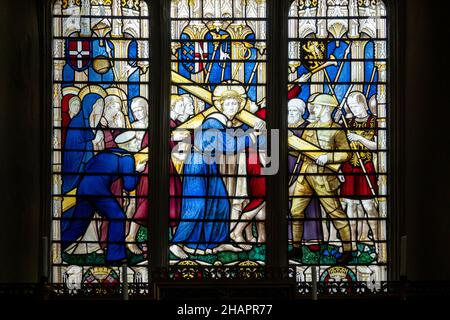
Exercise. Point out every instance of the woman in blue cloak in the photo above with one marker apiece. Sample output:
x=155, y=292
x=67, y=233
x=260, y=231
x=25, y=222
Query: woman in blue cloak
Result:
x=78, y=147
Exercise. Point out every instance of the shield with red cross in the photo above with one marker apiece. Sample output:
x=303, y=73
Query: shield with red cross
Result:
x=78, y=53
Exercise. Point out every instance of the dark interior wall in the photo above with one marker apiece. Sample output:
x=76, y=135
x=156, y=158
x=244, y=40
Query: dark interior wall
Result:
x=427, y=146
x=425, y=174
x=20, y=135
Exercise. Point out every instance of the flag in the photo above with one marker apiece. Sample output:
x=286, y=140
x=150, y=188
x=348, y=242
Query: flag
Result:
x=192, y=54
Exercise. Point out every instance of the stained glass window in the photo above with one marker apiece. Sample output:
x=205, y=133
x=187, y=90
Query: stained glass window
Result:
x=337, y=116
x=337, y=140
x=100, y=121
x=217, y=192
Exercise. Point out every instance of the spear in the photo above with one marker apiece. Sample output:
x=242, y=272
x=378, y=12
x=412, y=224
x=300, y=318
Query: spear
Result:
x=341, y=66
x=352, y=144
x=216, y=45
x=224, y=64
x=252, y=75
x=347, y=51
x=372, y=77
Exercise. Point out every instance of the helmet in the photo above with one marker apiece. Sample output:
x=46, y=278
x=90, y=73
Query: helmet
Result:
x=325, y=100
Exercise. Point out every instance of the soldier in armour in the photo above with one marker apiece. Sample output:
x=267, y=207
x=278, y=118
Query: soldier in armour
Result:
x=360, y=187
x=315, y=178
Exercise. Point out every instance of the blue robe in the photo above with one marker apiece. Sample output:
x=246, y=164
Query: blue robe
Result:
x=94, y=195
x=78, y=148
x=205, y=195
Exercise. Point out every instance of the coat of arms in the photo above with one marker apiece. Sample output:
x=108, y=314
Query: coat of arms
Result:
x=78, y=53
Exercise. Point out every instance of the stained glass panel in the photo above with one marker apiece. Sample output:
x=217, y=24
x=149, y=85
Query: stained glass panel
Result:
x=217, y=207
x=100, y=142
x=337, y=115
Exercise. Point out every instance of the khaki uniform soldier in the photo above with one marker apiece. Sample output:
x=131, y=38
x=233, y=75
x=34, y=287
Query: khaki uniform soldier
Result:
x=328, y=136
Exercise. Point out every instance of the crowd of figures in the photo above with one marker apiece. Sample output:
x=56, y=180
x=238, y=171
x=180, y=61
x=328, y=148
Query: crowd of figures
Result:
x=217, y=205
x=218, y=139
x=334, y=204
x=100, y=141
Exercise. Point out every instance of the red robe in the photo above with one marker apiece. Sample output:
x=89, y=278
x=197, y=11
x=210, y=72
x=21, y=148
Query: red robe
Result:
x=355, y=180
x=175, y=186
x=141, y=214
x=109, y=136
x=294, y=91
x=256, y=182
x=65, y=117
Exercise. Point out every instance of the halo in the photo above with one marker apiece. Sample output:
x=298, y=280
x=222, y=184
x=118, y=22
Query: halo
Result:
x=122, y=95
x=92, y=89
x=174, y=99
x=117, y=92
x=230, y=87
x=70, y=90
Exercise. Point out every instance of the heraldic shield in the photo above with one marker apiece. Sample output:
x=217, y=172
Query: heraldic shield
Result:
x=78, y=53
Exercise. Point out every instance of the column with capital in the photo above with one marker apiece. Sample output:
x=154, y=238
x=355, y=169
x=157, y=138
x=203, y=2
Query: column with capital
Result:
x=357, y=67
x=357, y=47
